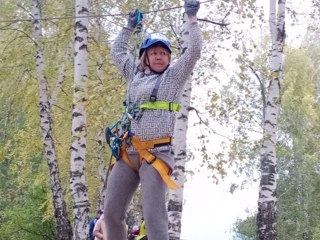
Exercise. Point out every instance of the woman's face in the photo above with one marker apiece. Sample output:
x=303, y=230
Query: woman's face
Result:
x=158, y=58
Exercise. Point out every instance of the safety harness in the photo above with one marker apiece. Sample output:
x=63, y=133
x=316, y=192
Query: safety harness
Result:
x=142, y=147
x=119, y=136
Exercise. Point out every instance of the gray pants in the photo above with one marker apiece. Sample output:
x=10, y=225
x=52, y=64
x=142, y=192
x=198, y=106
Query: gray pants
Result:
x=122, y=183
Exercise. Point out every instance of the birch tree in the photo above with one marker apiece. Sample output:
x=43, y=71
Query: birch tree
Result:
x=78, y=186
x=180, y=139
x=267, y=202
x=45, y=108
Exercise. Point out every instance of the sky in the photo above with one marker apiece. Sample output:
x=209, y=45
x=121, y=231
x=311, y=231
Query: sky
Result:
x=210, y=210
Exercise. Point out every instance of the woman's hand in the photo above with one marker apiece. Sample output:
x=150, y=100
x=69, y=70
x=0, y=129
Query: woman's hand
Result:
x=134, y=18
x=191, y=7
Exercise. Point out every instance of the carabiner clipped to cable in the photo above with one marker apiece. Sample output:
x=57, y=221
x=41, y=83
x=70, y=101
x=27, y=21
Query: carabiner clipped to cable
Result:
x=140, y=17
x=139, y=21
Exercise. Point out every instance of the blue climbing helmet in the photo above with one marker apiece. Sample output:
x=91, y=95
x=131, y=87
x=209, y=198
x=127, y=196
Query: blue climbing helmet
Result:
x=155, y=39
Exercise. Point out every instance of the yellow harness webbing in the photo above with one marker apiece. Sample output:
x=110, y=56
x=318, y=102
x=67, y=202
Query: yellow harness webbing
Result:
x=142, y=147
x=160, y=105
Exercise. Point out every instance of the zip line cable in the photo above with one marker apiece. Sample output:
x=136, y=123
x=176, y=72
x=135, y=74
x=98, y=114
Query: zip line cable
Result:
x=91, y=16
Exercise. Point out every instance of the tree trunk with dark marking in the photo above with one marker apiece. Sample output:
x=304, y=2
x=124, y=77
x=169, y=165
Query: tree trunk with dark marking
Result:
x=78, y=186
x=180, y=145
x=63, y=226
x=267, y=203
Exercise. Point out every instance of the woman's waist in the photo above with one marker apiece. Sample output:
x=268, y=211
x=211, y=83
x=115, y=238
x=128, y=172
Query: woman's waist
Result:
x=163, y=143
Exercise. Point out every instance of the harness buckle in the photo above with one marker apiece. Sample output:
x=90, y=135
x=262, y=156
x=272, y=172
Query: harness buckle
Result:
x=170, y=106
x=153, y=98
x=153, y=160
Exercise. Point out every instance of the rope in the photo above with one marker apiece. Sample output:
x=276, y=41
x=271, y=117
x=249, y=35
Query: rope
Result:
x=90, y=16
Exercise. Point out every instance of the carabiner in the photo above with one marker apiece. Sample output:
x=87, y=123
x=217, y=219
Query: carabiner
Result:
x=140, y=17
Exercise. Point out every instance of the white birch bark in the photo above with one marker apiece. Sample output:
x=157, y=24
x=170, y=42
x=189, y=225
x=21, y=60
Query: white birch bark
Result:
x=267, y=202
x=175, y=203
x=63, y=226
x=78, y=186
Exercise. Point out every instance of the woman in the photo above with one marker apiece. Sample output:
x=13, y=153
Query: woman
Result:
x=154, y=86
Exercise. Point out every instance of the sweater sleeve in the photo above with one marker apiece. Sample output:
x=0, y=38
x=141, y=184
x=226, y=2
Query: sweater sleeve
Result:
x=187, y=61
x=120, y=55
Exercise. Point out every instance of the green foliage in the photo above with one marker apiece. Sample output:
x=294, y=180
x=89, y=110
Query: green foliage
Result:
x=23, y=219
x=298, y=186
x=245, y=229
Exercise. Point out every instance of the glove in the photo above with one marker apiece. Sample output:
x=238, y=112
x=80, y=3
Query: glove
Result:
x=135, y=17
x=191, y=7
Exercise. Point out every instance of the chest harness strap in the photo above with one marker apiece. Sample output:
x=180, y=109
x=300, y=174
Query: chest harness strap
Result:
x=159, y=105
x=142, y=147
x=171, y=106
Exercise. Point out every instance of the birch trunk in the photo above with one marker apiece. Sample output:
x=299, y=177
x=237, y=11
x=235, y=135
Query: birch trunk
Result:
x=267, y=202
x=180, y=145
x=78, y=186
x=63, y=226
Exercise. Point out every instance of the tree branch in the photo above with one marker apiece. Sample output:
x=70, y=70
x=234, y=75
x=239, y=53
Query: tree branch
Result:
x=263, y=90
x=206, y=122
x=33, y=232
x=222, y=24
x=61, y=76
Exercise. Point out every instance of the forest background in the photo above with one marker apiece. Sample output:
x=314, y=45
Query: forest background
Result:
x=227, y=81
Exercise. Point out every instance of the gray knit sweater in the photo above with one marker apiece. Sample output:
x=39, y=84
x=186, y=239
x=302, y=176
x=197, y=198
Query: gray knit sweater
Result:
x=155, y=123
